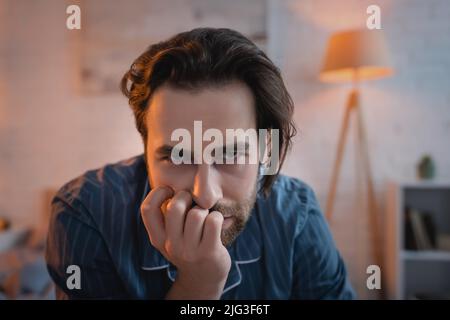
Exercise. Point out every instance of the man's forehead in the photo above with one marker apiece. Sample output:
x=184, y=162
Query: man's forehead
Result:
x=229, y=106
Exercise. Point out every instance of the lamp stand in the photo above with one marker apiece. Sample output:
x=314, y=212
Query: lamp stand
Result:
x=353, y=107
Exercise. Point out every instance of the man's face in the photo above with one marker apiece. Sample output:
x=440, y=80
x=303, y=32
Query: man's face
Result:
x=227, y=188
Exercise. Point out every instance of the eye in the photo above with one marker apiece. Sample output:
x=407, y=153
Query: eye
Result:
x=174, y=155
x=165, y=159
x=233, y=155
x=230, y=155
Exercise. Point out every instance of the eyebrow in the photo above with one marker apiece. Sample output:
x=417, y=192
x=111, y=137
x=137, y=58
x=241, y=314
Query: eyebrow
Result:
x=164, y=149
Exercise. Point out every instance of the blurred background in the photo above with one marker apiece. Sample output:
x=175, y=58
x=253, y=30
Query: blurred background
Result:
x=61, y=113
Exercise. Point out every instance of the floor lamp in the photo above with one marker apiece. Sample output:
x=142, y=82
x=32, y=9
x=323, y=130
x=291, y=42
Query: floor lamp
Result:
x=354, y=56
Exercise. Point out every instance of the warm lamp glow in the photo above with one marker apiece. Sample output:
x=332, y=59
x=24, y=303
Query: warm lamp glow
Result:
x=356, y=55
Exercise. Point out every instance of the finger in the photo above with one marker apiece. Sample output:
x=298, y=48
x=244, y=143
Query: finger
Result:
x=152, y=216
x=212, y=230
x=175, y=215
x=193, y=227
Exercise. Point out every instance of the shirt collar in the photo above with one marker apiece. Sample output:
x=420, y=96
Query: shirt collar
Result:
x=245, y=249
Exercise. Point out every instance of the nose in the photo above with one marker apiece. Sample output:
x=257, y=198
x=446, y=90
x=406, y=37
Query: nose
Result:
x=206, y=190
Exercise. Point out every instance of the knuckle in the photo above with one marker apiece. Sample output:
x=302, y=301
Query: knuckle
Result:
x=183, y=194
x=144, y=208
x=196, y=216
x=174, y=207
x=214, y=219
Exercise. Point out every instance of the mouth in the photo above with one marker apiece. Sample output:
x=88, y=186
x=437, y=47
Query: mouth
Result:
x=227, y=221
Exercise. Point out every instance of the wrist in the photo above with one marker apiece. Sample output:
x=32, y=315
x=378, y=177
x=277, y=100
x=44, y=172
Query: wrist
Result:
x=188, y=288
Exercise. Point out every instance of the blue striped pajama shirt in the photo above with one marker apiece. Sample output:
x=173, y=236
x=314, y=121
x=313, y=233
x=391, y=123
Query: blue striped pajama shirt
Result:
x=286, y=250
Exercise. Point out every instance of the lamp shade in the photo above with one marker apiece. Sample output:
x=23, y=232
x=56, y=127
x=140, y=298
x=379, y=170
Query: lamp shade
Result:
x=356, y=54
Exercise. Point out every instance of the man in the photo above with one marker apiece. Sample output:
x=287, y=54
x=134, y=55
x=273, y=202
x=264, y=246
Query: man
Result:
x=152, y=227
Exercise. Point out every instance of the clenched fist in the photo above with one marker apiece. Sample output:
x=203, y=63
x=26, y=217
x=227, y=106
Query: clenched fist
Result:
x=190, y=238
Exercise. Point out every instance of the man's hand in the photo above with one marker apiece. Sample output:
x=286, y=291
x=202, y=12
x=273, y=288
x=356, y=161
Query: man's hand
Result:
x=190, y=239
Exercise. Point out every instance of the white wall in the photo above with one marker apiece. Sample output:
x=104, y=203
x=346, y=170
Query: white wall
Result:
x=406, y=115
x=49, y=133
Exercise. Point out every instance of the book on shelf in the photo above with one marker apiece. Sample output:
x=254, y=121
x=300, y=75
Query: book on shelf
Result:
x=420, y=230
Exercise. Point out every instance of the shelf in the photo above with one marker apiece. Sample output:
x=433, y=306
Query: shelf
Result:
x=433, y=255
x=421, y=184
x=411, y=271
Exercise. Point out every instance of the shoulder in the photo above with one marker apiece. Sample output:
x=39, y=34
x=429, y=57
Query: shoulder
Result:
x=291, y=202
x=91, y=193
x=112, y=177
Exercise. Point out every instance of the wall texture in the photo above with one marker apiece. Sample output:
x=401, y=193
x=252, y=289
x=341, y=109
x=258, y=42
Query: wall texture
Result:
x=49, y=133
x=406, y=115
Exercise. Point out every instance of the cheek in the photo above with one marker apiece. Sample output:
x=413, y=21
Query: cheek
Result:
x=165, y=174
x=240, y=186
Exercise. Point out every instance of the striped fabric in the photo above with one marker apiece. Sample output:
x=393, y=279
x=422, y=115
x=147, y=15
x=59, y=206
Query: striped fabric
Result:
x=285, y=252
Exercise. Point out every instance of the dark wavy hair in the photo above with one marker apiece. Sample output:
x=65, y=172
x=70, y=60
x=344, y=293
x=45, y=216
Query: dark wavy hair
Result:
x=206, y=57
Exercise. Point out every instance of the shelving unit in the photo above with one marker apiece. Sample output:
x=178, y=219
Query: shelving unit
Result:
x=409, y=273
